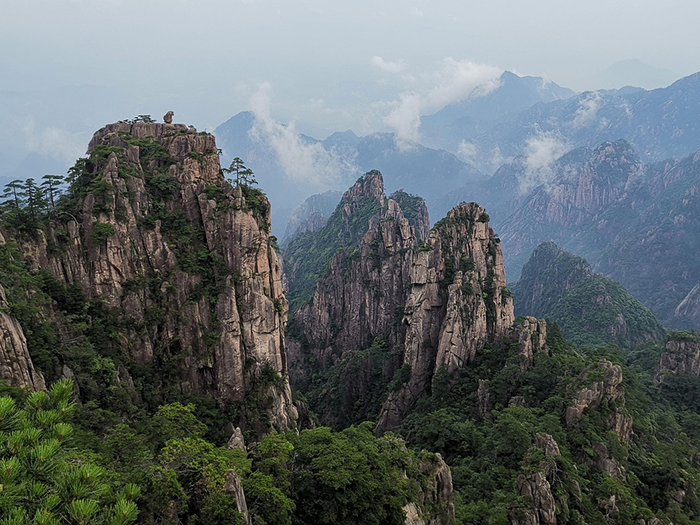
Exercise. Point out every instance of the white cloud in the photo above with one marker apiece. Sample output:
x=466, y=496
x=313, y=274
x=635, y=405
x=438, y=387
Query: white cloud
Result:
x=302, y=161
x=453, y=81
x=541, y=150
x=390, y=66
x=414, y=11
x=588, y=108
x=55, y=142
x=467, y=151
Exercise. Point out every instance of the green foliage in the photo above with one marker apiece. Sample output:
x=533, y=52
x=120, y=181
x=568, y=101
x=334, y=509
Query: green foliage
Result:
x=349, y=477
x=41, y=477
x=100, y=232
x=354, y=388
x=590, y=308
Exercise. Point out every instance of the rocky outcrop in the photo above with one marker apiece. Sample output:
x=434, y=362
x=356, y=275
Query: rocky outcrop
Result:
x=537, y=494
x=361, y=296
x=365, y=288
x=16, y=367
x=688, y=310
x=311, y=215
x=233, y=486
x=435, y=502
x=607, y=388
x=457, y=304
x=159, y=236
x=539, y=506
x=484, y=401
x=531, y=335
x=681, y=356
x=607, y=464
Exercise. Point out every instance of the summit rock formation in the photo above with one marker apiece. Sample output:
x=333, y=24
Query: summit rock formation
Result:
x=153, y=231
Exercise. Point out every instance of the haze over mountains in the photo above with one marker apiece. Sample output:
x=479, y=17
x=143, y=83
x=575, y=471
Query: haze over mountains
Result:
x=547, y=163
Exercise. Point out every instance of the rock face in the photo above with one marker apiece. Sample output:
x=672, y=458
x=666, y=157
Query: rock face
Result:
x=311, y=215
x=366, y=285
x=604, y=204
x=162, y=238
x=361, y=296
x=534, y=487
x=458, y=303
x=233, y=486
x=16, y=367
x=531, y=335
x=435, y=505
x=608, y=388
x=537, y=493
x=681, y=356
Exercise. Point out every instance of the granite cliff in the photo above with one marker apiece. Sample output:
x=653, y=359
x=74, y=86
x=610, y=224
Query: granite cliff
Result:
x=152, y=230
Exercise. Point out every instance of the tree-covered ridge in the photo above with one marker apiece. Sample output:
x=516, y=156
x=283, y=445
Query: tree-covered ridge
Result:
x=590, y=308
x=162, y=468
x=506, y=432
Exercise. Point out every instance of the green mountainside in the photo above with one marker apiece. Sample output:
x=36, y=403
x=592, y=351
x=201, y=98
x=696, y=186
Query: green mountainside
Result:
x=590, y=308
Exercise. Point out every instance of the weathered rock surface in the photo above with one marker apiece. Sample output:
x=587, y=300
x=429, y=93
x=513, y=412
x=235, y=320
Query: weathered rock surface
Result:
x=435, y=504
x=456, y=306
x=681, y=356
x=539, y=506
x=16, y=367
x=366, y=285
x=233, y=486
x=362, y=295
x=531, y=335
x=161, y=237
x=608, y=388
x=537, y=493
x=607, y=464
x=311, y=215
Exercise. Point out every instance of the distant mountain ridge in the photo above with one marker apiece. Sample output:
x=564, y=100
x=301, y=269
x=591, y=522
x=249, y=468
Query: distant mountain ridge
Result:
x=403, y=168
x=637, y=223
x=478, y=112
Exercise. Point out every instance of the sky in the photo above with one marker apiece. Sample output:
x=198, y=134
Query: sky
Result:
x=69, y=66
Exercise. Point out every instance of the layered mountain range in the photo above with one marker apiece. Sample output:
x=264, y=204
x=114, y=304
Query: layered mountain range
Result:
x=415, y=329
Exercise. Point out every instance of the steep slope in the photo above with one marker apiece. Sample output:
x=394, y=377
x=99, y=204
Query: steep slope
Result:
x=16, y=366
x=608, y=207
x=457, y=304
x=151, y=230
x=583, y=183
x=352, y=319
x=311, y=214
x=590, y=308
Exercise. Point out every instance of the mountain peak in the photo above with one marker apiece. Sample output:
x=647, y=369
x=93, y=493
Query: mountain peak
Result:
x=370, y=185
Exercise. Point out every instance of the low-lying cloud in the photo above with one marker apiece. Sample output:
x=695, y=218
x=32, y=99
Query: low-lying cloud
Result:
x=587, y=110
x=454, y=80
x=55, y=142
x=541, y=151
x=302, y=161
